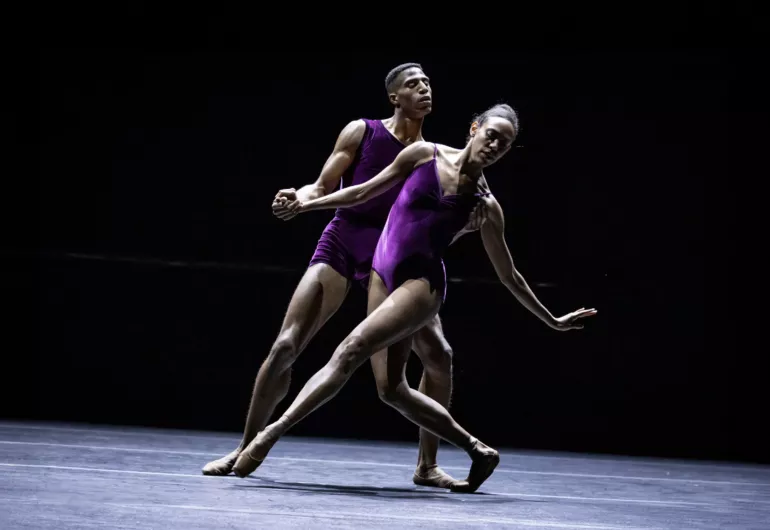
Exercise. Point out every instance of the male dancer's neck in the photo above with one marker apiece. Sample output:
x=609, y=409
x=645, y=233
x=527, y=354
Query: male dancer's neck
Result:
x=407, y=130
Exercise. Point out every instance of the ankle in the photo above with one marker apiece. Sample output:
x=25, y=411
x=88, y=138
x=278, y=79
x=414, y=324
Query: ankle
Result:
x=279, y=427
x=423, y=467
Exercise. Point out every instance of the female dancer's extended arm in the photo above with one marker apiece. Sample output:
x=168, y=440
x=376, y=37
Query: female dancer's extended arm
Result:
x=398, y=170
x=493, y=236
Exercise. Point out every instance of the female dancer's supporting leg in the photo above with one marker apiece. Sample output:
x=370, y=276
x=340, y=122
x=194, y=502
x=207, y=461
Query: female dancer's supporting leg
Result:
x=389, y=368
x=393, y=321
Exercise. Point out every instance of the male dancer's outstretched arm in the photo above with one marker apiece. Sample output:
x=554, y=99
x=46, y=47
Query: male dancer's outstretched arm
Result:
x=493, y=236
x=335, y=166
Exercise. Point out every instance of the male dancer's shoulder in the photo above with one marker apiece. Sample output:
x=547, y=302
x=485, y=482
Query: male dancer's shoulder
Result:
x=353, y=135
x=357, y=132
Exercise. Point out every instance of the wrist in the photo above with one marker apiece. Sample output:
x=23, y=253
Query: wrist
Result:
x=303, y=195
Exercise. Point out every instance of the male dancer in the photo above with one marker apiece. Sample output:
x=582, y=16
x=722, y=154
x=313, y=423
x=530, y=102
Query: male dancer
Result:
x=344, y=253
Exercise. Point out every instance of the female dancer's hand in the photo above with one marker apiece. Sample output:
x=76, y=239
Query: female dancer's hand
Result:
x=569, y=320
x=480, y=213
x=477, y=218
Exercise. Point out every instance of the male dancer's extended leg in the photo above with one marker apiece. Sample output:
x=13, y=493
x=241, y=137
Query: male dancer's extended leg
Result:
x=317, y=297
x=436, y=356
x=394, y=321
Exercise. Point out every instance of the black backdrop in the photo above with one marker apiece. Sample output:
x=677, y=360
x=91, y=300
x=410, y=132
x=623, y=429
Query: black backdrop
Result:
x=163, y=277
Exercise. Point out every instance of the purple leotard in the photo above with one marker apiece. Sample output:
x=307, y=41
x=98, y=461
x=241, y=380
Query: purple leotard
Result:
x=421, y=225
x=348, y=241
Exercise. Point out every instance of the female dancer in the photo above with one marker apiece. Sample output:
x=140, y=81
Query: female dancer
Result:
x=408, y=282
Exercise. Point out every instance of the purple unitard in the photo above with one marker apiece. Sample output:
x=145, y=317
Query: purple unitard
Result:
x=421, y=225
x=348, y=241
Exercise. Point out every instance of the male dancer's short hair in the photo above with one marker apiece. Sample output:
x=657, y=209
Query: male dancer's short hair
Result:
x=391, y=80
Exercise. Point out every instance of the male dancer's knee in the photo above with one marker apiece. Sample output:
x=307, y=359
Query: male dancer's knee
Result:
x=282, y=355
x=437, y=360
x=393, y=394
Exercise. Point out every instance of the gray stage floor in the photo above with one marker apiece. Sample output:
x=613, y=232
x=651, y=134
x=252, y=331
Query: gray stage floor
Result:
x=77, y=476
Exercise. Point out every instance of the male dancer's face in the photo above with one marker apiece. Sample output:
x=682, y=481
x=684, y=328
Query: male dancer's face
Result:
x=414, y=95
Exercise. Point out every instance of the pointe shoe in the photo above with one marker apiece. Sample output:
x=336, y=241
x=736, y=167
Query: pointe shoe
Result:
x=222, y=466
x=433, y=477
x=484, y=461
x=253, y=456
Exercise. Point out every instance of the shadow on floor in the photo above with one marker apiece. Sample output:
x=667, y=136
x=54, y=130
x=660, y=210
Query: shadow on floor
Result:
x=369, y=491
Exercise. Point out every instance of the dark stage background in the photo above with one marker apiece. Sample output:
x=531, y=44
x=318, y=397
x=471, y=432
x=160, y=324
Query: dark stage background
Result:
x=163, y=277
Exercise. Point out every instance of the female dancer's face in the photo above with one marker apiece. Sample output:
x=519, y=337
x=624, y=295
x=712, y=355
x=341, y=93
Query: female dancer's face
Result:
x=492, y=140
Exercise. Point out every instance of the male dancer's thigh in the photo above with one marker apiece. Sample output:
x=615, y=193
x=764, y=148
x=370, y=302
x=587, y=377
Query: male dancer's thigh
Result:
x=318, y=296
x=430, y=339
